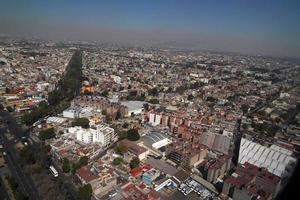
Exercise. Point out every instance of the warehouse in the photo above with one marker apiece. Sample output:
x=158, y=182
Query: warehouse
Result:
x=156, y=140
x=275, y=159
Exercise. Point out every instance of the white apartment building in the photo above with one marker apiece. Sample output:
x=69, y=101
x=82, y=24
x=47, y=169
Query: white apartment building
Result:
x=100, y=133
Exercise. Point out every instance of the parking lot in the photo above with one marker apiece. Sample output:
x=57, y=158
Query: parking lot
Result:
x=191, y=186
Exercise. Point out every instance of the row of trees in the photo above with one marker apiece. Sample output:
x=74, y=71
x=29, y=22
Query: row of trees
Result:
x=66, y=89
x=16, y=189
x=39, y=156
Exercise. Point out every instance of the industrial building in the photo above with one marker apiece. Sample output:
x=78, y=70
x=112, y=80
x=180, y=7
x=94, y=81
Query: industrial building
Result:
x=156, y=140
x=275, y=159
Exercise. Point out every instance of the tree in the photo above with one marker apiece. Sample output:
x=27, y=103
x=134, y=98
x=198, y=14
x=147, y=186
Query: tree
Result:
x=66, y=90
x=47, y=134
x=83, y=122
x=9, y=109
x=104, y=112
x=245, y=108
x=82, y=161
x=125, y=125
x=132, y=93
x=105, y=93
x=190, y=97
x=142, y=97
x=146, y=106
x=135, y=162
x=85, y=192
x=153, y=92
x=117, y=161
x=121, y=149
x=211, y=99
x=42, y=154
x=47, y=148
x=73, y=168
x=118, y=115
x=27, y=156
x=154, y=101
x=133, y=135
x=66, y=165
x=55, y=97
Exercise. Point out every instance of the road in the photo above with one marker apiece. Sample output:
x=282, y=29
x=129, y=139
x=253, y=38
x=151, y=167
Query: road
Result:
x=3, y=193
x=11, y=155
x=71, y=191
x=24, y=136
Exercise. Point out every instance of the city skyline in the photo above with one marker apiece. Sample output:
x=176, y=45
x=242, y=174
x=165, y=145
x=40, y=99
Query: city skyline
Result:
x=256, y=27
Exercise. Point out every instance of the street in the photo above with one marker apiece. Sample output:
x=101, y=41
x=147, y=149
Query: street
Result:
x=11, y=155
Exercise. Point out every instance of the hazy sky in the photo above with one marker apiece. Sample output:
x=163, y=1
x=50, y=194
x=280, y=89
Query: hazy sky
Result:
x=247, y=26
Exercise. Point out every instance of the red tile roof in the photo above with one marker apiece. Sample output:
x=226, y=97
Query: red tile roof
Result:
x=86, y=174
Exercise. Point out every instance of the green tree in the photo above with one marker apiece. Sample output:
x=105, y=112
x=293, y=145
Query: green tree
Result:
x=9, y=109
x=83, y=122
x=82, y=161
x=153, y=92
x=135, y=162
x=125, y=125
x=105, y=93
x=154, y=101
x=85, y=192
x=65, y=91
x=245, y=108
x=73, y=168
x=118, y=115
x=117, y=161
x=190, y=97
x=66, y=165
x=146, y=106
x=133, y=135
x=47, y=134
x=27, y=156
x=55, y=97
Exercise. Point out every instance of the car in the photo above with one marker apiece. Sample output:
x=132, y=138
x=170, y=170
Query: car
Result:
x=25, y=143
x=4, y=153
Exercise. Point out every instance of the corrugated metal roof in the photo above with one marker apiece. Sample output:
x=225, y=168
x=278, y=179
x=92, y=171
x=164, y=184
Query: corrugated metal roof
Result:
x=275, y=159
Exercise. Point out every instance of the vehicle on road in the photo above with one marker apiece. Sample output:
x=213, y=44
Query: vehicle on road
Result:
x=53, y=171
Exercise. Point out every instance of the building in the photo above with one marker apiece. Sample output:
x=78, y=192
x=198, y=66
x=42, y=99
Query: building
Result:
x=112, y=109
x=135, y=149
x=133, y=107
x=156, y=140
x=275, y=159
x=216, y=142
x=102, y=182
x=149, y=176
x=99, y=133
x=214, y=168
x=78, y=112
x=70, y=113
x=251, y=182
x=187, y=156
x=138, y=192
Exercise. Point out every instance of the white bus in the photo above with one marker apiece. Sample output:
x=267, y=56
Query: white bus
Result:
x=53, y=171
